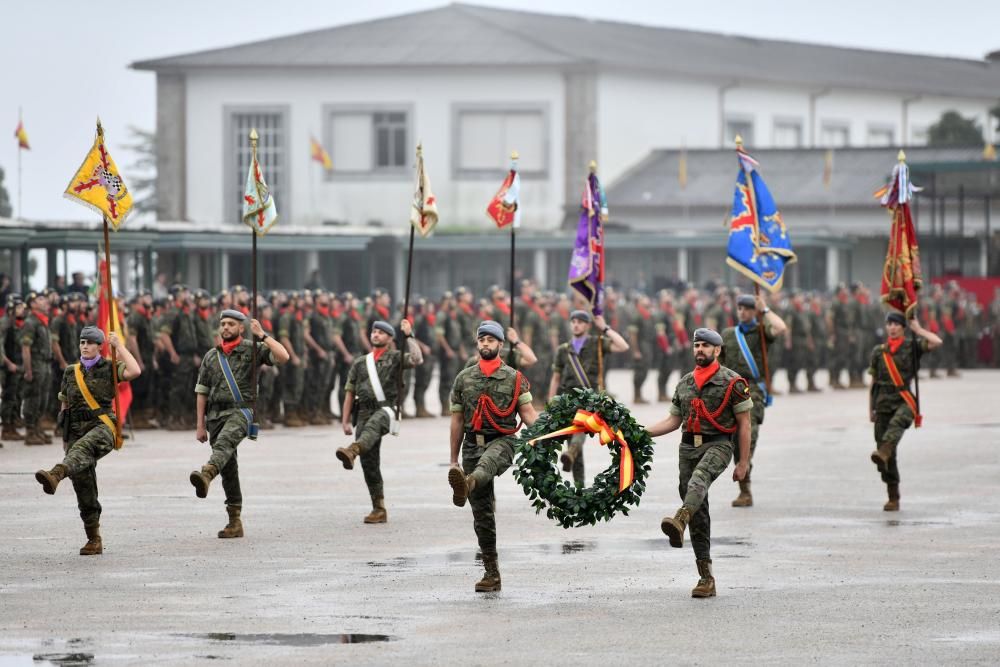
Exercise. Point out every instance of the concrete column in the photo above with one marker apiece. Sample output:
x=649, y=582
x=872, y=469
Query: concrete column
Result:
x=682, y=264
x=541, y=269
x=832, y=267
x=171, y=146
x=224, y=270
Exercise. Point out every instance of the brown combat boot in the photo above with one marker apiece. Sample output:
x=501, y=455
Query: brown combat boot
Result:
x=567, y=459
x=202, y=480
x=35, y=436
x=793, y=389
x=490, y=583
x=893, y=504
x=294, y=419
x=266, y=424
x=880, y=457
x=639, y=400
x=662, y=397
x=811, y=386
x=445, y=411
x=461, y=486
x=140, y=421
x=318, y=420
x=49, y=479
x=422, y=412
x=11, y=434
x=745, y=499
x=235, y=527
x=47, y=423
x=706, y=582
x=348, y=454
x=378, y=513
x=674, y=527
x=93, y=547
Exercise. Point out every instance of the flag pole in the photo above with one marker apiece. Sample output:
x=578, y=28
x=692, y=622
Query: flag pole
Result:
x=592, y=169
x=513, y=246
x=112, y=324
x=409, y=274
x=917, y=418
x=254, y=138
x=20, y=149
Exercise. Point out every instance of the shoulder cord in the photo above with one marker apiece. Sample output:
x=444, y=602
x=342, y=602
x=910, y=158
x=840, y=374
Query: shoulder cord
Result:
x=700, y=410
x=488, y=410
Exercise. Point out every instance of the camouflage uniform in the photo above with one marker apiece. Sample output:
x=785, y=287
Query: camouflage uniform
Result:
x=644, y=328
x=892, y=415
x=349, y=330
x=448, y=327
x=487, y=454
x=179, y=325
x=10, y=405
x=423, y=331
x=290, y=326
x=800, y=336
x=87, y=439
x=226, y=424
x=844, y=324
x=371, y=421
x=317, y=380
x=140, y=326
x=62, y=332
x=568, y=380
x=732, y=358
x=700, y=465
x=35, y=335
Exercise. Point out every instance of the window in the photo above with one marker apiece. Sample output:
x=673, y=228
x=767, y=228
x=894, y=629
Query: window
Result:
x=834, y=135
x=881, y=135
x=484, y=137
x=272, y=153
x=742, y=127
x=787, y=133
x=369, y=141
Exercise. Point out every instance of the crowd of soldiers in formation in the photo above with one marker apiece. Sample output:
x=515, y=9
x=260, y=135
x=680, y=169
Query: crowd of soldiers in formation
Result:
x=324, y=332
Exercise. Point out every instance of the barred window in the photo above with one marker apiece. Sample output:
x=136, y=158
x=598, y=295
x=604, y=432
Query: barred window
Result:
x=364, y=140
x=272, y=153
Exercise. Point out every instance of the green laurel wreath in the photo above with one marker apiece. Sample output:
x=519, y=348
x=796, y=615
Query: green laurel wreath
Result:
x=564, y=502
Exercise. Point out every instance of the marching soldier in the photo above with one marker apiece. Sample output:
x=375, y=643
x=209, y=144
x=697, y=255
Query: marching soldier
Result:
x=711, y=405
x=741, y=352
x=893, y=408
x=224, y=393
x=486, y=401
x=577, y=365
x=36, y=352
x=371, y=394
x=89, y=426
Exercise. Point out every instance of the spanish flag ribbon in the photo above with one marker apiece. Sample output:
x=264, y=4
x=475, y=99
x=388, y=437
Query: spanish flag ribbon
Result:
x=590, y=422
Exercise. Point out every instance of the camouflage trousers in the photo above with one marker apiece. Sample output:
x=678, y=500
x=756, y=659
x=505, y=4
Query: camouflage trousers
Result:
x=889, y=428
x=447, y=370
x=370, y=429
x=797, y=361
x=10, y=404
x=224, y=435
x=315, y=395
x=182, y=380
x=82, y=455
x=36, y=393
x=664, y=367
x=699, y=467
x=421, y=381
x=484, y=463
x=293, y=383
x=640, y=369
x=576, y=453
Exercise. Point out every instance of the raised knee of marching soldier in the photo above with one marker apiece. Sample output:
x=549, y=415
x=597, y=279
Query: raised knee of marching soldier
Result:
x=697, y=489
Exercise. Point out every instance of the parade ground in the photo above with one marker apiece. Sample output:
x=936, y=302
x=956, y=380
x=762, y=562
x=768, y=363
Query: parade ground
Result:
x=815, y=572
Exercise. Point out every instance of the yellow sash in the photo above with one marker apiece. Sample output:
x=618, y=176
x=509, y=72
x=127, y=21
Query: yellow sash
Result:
x=93, y=405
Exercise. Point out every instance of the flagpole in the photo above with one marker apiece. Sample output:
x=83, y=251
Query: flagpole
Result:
x=917, y=418
x=513, y=246
x=409, y=274
x=254, y=137
x=111, y=319
x=20, y=149
x=592, y=168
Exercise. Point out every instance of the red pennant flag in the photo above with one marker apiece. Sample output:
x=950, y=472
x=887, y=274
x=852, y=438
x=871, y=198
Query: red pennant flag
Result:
x=110, y=319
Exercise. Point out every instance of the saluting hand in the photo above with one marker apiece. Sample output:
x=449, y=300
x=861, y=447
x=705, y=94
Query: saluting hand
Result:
x=256, y=329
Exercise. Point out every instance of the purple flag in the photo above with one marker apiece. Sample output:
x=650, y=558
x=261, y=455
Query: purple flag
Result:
x=586, y=268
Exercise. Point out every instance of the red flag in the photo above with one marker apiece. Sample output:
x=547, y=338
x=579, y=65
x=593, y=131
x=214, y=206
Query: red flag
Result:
x=901, y=274
x=110, y=319
x=504, y=209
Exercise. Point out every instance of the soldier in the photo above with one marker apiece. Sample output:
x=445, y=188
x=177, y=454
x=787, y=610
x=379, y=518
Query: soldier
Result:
x=843, y=327
x=36, y=351
x=741, y=352
x=577, y=365
x=799, y=342
x=349, y=341
x=670, y=337
x=62, y=337
x=180, y=341
x=710, y=405
x=821, y=341
x=642, y=332
x=423, y=318
x=319, y=346
x=893, y=408
x=140, y=328
x=533, y=323
x=89, y=426
x=291, y=334
x=448, y=332
x=225, y=393
x=486, y=401
x=13, y=367
x=371, y=394
x=267, y=375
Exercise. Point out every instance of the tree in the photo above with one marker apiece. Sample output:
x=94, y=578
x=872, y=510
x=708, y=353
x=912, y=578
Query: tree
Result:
x=952, y=129
x=142, y=172
x=995, y=112
x=5, y=209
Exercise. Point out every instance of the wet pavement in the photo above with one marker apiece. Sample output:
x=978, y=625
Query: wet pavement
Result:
x=815, y=572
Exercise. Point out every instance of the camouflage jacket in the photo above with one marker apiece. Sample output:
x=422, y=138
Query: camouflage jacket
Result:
x=141, y=327
x=588, y=362
x=732, y=357
x=212, y=382
x=179, y=325
x=101, y=386
x=63, y=333
x=321, y=330
x=448, y=327
x=387, y=368
x=204, y=329
x=471, y=384
x=35, y=335
x=712, y=394
x=290, y=326
x=886, y=396
x=349, y=331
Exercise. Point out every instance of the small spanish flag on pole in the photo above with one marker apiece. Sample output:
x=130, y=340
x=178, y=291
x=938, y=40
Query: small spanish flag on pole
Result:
x=22, y=136
x=319, y=154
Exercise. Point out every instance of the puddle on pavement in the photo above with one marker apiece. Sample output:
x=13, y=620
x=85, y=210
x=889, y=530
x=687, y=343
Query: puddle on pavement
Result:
x=297, y=640
x=64, y=659
x=899, y=522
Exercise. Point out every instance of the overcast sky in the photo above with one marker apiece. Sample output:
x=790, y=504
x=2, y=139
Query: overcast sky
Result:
x=66, y=62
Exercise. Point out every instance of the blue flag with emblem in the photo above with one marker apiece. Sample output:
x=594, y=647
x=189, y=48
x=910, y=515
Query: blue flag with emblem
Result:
x=759, y=246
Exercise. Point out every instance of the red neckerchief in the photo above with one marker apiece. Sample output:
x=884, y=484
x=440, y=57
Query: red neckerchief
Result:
x=563, y=311
x=490, y=367
x=894, y=344
x=431, y=318
x=55, y=312
x=298, y=315
x=535, y=307
x=186, y=310
x=70, y=318
x=18, y=322
x=42, y=317
x=230, y=346
x=355, y=315
x=703, y=375
x=205, y=313
x=267, y=325
x=243, y=309
x=323, y=310
x=335, y=312
x=409, y=318
x=379, y=351
x=466, y=308
x=502, y=306
x=383, y=311
x=645, y=314
x=863, y=299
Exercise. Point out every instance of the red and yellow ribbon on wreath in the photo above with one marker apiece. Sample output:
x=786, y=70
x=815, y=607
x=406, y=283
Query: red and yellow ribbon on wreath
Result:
x=590, y=422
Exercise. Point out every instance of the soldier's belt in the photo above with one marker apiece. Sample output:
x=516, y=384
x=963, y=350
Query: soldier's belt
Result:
x=482, y=437
x=699, y=439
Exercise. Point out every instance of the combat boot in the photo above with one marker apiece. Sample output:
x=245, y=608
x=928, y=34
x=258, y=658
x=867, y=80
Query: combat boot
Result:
x=34, y=436
x=445, y=411
x=46, y=422
x=893, y=504
x=639, y=400
x=378, y=513
x=265, y=423
x=706, y=582
x=140, y=421
x=674, y=527
x=235, y=527
x=662, y=397
x=793, y=389
x=835, y=384
x=490, y=583
x=422, y=412
x=93, y=546
x=461, y=486
x=202, y=480
x=10, y=434
x=745, y=499
x=49, y=479
x=953, y=373
x=348, y=454
x=318, y=420
x=881, y=456
x=294, y=419
x=811, y=386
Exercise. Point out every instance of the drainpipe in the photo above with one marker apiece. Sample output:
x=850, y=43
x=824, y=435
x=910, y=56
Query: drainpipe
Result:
x=723, y=139
x=812, y=114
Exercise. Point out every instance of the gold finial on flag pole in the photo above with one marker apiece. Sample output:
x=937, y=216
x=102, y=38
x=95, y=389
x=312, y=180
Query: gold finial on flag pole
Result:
x=593, y=166
x=901, y=156
x=739, y=142
x=254, y=138
x=514, y=155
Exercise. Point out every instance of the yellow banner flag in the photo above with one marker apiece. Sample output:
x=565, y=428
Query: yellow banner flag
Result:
x=98, y=185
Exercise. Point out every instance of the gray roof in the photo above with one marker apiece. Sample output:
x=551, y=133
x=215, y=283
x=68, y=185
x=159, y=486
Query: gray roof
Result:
x=469, y=35
x=794, y=177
